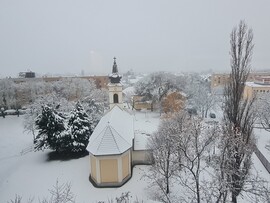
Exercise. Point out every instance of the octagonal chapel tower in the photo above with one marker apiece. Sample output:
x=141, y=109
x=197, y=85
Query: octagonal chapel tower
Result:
x=115, y=87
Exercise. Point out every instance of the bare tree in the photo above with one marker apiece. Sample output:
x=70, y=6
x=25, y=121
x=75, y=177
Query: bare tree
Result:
x=263, y=107
x=180, y=149
x=7, y=93
x=193, y=144
x=125, y=197
x=164, y=167
x=18, y=199
x=61, y=193
x=203, y=100
x=166, y=156
x=156, y=86
x=237, y=140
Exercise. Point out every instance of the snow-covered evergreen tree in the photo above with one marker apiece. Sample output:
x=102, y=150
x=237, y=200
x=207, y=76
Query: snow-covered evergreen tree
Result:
x=35, y=109
x=50, y=126
x=95, y=110
x=79, y=130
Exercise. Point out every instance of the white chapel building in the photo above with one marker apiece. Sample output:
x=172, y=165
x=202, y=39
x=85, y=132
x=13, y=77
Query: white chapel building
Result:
x=111, y=145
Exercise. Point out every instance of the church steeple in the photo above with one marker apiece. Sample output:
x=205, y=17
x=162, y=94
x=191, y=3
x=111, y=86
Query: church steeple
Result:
x=114, y=76
x=115, y=87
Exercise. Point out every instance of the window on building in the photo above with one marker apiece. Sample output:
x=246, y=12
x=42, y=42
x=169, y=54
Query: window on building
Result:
x=115, y=98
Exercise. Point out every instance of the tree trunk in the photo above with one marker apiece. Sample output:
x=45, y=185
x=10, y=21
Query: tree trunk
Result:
x=202, y=113
x=198, y=191
x=206, y=112
x=234, y=198
x=167, y=186
x=167, y=171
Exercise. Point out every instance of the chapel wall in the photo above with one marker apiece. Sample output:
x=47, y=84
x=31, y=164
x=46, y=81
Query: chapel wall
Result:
x=93, y=168
x=125, y=165
x=142, y=157
x=108, y=170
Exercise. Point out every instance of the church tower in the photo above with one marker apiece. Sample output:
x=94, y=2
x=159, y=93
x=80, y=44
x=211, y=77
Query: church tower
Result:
x=115, y=87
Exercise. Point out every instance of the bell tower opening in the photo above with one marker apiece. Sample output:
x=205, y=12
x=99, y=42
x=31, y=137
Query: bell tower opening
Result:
x=115, y=98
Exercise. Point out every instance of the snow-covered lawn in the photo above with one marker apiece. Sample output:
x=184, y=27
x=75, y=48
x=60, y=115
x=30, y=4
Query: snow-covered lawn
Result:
x=263, y=140
x=145, y=123
x=31, y=175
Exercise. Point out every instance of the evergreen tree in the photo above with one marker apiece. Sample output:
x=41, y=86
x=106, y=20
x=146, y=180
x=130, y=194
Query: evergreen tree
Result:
x=79, y=130
x=95, y=110
x=50, y=126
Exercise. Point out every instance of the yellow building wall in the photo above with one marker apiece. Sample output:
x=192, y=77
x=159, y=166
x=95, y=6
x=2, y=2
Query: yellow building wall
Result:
x=125, y=165
x=219, y=80
x=248, y=92
x=139, y=105
x=222, y=79
x=108, y=170
x=93, y=168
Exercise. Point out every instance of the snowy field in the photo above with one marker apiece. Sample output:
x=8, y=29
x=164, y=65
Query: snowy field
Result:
x=29, y=174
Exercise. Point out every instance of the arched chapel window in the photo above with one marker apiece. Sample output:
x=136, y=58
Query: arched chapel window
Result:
x=115, y=98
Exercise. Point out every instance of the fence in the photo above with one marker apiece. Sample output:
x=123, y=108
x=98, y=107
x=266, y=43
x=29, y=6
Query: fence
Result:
x=262, y=158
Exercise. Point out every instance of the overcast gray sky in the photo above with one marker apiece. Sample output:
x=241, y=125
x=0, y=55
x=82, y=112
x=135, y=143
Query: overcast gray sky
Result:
x=68, y=36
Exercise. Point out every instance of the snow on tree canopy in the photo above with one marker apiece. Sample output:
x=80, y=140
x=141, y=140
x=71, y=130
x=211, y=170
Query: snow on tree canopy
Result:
x=79, y=130
x=50, y=126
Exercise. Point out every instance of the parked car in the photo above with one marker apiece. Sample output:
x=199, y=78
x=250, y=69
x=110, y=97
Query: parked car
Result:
x=212, y=115
x=192, y=111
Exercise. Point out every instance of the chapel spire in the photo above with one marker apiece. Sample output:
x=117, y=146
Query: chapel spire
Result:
x=114, y=76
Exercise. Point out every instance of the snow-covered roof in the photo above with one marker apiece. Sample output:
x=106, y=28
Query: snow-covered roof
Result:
x=253, y=84
x=129, y=91
x=145, y=124
x=115, y=75
x=113, y=134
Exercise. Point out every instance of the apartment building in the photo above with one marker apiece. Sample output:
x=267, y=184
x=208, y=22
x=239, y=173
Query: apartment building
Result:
x=259, y=88
x=219, y=80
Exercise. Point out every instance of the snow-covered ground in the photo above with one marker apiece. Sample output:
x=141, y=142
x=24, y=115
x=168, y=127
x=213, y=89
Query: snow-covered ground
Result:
x=263, y=141
x=31, y=175
x=145, y=123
